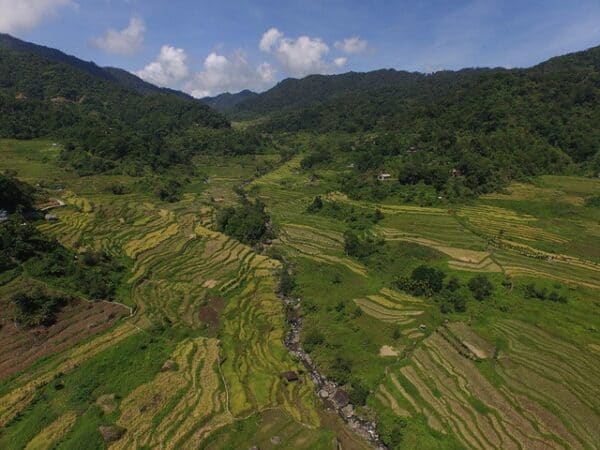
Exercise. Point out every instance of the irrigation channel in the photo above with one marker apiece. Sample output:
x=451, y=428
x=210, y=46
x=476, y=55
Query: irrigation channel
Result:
x=331, y=394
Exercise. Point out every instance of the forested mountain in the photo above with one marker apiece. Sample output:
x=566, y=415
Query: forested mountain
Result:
x=108, y=115
x=463, y=132
x=293, y=94
x=225, y=102
x=557, y=101
x=126, y=79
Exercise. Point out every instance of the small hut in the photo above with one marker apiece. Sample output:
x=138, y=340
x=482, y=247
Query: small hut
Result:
x=290, y=376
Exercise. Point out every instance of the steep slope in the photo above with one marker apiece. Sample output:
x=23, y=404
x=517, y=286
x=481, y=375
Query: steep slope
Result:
x=109, y=113
x=120, y=76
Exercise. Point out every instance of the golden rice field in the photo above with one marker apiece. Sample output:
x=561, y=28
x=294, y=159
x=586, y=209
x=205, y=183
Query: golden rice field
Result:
x=190, y=401
x=177, y=265
x=520, y=378
x=529, y=408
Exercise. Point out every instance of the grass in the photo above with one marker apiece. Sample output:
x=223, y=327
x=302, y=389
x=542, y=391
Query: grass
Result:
x=173, y=256
x=541, y=230
x=539, y=388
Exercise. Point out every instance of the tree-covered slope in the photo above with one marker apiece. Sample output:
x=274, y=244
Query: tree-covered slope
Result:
x=293, y=94
x=120, y=76
x=106, y=113
x=556, y=103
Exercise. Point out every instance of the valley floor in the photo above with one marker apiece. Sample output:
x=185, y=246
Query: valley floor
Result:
x=198, y=361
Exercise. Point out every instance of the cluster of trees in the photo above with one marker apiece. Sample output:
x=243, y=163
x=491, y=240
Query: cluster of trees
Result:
x=356, y=218
x=20, y=241
x=248, y=223
x=24, y=247
x=318, y=156
x=361, y=245
x=37, y=307
x=593, y=201
x=532, y=291
x=14, y=193
x=426, y=281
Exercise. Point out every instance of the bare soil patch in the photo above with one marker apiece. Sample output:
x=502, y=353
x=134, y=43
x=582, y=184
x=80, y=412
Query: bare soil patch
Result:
x=210, y=284
x=210, y=314
x=387, y=350
x=21, y=347
x=471, y=340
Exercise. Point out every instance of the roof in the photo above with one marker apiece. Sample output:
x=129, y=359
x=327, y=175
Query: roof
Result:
x=290, y=376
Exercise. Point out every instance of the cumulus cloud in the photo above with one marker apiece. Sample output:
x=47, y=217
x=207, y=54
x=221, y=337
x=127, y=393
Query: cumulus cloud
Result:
x=123, y=42
x=169, y=68
x=23, y=15
x=341, y=61
x=219, y=73
x=352, y=45
x=232, y=73
x=298, y=57
x=270, y=39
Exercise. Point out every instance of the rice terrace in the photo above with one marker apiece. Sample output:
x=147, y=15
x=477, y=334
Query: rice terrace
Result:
x=385, y=259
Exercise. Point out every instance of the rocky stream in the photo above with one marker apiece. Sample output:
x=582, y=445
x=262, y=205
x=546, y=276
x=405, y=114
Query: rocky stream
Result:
x=330, y=393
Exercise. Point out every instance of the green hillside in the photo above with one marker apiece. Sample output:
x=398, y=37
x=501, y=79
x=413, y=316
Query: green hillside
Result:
x=389, y=260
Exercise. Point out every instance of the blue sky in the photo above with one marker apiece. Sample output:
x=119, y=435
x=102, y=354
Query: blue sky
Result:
x=208, y=47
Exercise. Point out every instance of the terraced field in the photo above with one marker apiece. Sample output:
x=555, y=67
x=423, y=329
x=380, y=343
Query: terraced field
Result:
x=198, y=363
x=527, y=408
x=178, y=267
x=453, y=387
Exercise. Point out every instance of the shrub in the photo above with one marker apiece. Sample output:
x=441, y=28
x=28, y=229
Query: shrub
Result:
x=358, y=393
x=313, y=339
x=360, y=247
x=286, y=283
x=316, y=205
x=424, y=281
x=37, y=307
x=481, y=287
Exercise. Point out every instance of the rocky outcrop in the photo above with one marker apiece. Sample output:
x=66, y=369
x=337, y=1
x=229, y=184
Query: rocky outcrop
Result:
x=111, y=433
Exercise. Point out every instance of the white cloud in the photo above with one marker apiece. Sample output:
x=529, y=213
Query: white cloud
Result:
x=341, y=61
x=23, y=15
x=219, y=73
x=169, y=68
x=298, y=57
x=352, y=45
x=123, y=42
x=229, y=74
x=270, y=39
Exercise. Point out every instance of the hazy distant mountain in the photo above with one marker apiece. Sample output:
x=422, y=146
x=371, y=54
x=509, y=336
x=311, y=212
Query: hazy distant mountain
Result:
x=225, y=102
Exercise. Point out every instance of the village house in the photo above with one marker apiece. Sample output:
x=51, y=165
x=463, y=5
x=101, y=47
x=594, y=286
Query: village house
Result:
x=384, y=177
x=3, y=215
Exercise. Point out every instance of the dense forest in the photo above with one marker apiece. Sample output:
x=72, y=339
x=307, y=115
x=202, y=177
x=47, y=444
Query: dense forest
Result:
x=105, y=117
x=460, y=133
x=447, y=134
